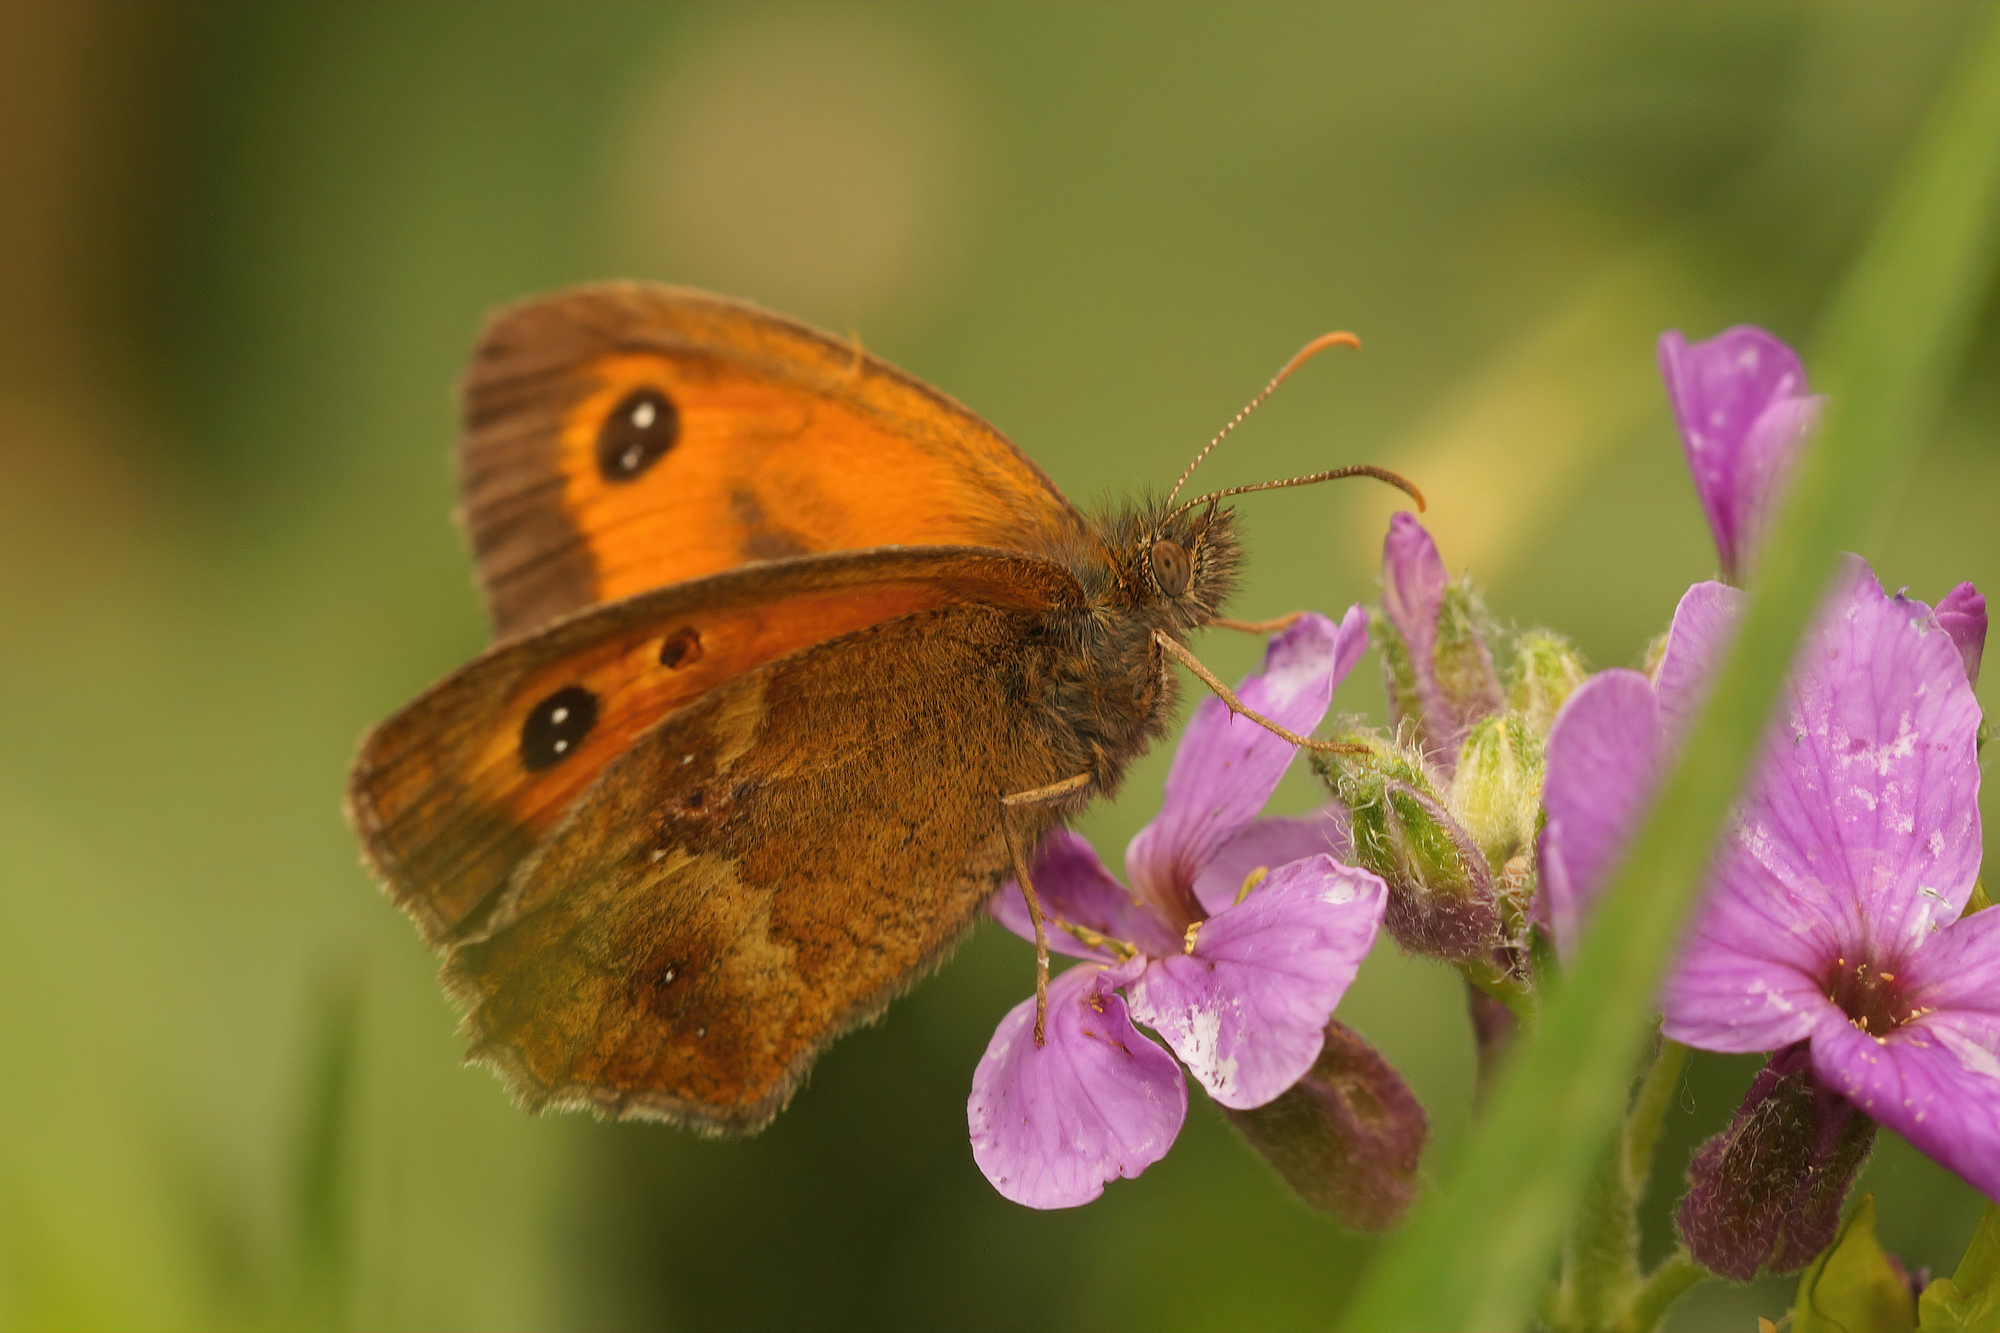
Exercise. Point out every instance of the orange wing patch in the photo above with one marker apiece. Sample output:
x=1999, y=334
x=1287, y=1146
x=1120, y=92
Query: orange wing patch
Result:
x=786, y=474
x=623, y=437
x=454, y=791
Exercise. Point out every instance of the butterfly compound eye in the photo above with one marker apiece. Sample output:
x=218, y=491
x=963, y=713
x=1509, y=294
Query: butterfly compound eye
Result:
x=1171, y=567
x=556, y=726
x=637, y=434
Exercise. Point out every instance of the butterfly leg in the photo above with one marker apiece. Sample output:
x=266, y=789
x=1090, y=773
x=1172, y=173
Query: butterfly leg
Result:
x=1273, y=626
x=1048, y=795
x=1228, y=696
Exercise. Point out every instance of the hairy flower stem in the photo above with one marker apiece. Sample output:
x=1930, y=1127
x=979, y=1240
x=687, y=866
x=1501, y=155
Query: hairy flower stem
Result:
x=1674, y=1278
x=1601, y=1287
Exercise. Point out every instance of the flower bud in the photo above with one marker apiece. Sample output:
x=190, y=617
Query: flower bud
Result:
x=1347, y=1136
x=1962, y=615
x=1766, y=1192
x=1441, y=676
x=1440, y=887
x=1547, y=669
x=1496, y=795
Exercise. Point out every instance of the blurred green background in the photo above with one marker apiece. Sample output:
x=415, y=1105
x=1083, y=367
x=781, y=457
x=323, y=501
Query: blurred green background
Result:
x=243, y=252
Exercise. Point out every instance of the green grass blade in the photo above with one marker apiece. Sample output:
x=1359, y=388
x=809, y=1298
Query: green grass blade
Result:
x=1478, y=1254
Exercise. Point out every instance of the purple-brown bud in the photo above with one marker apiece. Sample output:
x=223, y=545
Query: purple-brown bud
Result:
x=1347, y=1136
x=1766, y=1192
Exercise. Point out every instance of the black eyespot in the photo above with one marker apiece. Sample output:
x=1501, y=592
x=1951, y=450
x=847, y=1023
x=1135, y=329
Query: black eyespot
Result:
x=556, y=726
x=637, y=434
x=1171, y=567
x=680, y=648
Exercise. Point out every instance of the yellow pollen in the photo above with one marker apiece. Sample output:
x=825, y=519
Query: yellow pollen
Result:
x=1886, y=976
x=1251, y=881
x=1187, y=942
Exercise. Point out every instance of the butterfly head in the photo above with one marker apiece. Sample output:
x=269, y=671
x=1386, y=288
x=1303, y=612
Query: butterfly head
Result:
x=1173, y=570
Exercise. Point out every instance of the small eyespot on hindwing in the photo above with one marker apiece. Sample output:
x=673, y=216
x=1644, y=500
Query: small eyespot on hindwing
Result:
x=680, y=648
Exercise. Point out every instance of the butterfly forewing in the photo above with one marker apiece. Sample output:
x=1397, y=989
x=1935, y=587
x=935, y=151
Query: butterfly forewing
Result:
x=626, y=436
x=451, y=793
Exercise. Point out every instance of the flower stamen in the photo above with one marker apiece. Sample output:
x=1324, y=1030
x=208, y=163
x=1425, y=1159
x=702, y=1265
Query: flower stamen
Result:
x=1187, y=941
x=1122, y=950
x=1250, y=881
x=1871, y=999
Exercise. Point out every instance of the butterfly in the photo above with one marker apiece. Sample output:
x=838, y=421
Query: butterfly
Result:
x=793, y=656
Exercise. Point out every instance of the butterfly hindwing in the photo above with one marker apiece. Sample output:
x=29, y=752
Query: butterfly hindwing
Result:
x=625, y=436
x=760, y=872
x=457, y=789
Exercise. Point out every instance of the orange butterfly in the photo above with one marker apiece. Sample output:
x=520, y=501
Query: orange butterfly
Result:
x=795, y=656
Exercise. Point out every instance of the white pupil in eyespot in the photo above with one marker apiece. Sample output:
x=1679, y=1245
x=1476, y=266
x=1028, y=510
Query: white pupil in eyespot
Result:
x=629, y=460
x=561, y=746
x=643, y=414
x=560, y=716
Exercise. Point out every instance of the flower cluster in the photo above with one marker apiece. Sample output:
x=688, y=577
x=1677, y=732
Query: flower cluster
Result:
x=1839, y=929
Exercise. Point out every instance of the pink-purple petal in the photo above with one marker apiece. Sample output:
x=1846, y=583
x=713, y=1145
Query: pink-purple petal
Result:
x=1075, y=887
x=1605, y=752
x=1866, y=799
x=1935, y=1081
x=1720, y=389
x=1413, y=582
x=1268, y=844
x=1227, y=766
x=1704, y=623
x=1958, y=968
x=1727, y=992
x=1962, y=615
x=1246, y=1011
x=1052, y=1124
x=1764, y=466
x=1557, y=906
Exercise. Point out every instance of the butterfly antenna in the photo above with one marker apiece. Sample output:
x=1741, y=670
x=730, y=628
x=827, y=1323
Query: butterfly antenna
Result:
x=1305, y=354
x=1396, y=479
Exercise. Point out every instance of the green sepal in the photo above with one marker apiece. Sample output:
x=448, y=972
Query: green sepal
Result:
x=1546, y=670
x=1398, y=668
x=1853, y=1288
x=1440, y=887
x=1496, y=793
x=1969, y=1300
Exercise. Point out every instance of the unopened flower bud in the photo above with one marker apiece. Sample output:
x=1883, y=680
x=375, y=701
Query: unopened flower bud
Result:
x=1766, y=1192
x=1547, y=669
x=1440, y=887
x=1347, y=1136
x=1962, y=615
x=1496, y=795
x=1441, y=676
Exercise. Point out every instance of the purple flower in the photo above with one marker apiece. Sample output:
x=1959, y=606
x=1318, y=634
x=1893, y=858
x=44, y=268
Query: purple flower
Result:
x=1741, y=403
x=1832, y=915
x=1240, y=936
x=1834, y=912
